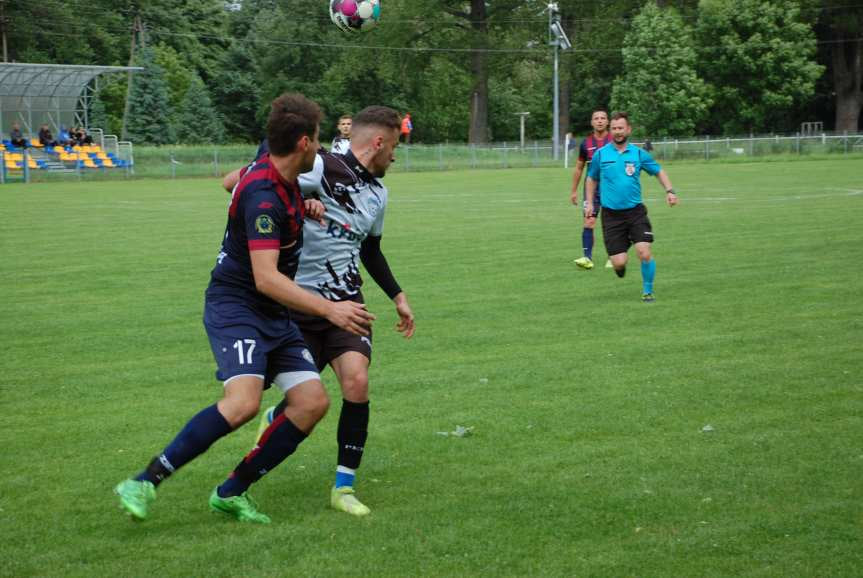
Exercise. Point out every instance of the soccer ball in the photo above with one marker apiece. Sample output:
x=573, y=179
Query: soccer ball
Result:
x=355, y=15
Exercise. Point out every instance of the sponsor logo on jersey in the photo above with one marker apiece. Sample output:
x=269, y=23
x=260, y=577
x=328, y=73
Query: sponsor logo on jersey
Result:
x=630, y=169
x=338, y=231
x=264, y=224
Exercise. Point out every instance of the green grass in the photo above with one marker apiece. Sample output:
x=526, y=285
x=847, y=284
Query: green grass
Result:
x=588, y=456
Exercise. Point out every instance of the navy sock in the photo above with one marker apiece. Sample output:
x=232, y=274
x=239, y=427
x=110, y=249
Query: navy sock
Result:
x=277, y=442
x=352, y=433
x=194, y=439
x=587, y=242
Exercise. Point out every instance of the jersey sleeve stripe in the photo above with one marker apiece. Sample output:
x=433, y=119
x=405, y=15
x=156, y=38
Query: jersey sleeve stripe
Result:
x=263, y=244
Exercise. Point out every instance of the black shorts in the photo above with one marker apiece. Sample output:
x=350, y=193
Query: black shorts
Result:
x=326, y=341
x=621, y=229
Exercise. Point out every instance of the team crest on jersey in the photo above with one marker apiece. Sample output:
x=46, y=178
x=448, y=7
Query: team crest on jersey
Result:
x=264, y=224
x=630, y=169
x=308, y=356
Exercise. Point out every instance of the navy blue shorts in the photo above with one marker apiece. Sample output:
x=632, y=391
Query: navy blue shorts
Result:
x=596, y=204
x=244, y=342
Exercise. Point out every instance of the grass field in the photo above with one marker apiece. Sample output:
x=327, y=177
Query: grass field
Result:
x=589, y=455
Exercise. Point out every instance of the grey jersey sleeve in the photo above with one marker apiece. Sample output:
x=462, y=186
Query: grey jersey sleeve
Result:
x=310, y=182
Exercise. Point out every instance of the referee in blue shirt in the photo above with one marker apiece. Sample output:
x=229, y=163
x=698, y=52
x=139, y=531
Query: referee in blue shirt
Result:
x=616, y=167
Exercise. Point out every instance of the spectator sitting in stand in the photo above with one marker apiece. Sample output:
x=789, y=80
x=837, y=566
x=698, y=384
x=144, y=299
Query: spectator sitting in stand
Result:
x=64, y=138
x=81, y=136
x=16, y=138
x=45, y=136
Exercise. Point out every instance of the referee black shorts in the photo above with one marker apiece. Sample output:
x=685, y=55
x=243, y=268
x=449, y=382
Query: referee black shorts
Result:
x=623, y=228
x=327, y=341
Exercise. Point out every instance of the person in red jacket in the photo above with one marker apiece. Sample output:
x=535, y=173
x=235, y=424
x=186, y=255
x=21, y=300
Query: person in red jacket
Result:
x=407, y=127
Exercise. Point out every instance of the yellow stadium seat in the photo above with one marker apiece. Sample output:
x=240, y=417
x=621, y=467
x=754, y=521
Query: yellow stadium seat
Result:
x=34, y=142
x=107, y=162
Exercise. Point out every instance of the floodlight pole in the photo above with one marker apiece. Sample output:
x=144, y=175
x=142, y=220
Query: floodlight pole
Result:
x=522, y=115
x=558, y=39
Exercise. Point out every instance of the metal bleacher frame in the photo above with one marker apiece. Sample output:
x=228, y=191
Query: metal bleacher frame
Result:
x=56, y=95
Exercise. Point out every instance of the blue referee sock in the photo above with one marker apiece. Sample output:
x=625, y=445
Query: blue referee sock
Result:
x=587, y=242
x=194, y=439
x=648, y=272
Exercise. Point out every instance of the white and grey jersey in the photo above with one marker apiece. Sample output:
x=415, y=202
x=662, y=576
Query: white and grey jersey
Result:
x=355, y=203
x=341, y=145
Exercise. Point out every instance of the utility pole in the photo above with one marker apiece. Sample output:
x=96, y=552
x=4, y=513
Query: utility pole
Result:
x=136, y=30
x=557, y=39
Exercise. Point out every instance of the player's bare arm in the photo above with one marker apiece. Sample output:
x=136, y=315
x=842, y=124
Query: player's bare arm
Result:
x=348, y=315
x=406, y=325
x=231, y=179
x=670, y=197
x=589, y=194
x=315, y=210
x=576, y=179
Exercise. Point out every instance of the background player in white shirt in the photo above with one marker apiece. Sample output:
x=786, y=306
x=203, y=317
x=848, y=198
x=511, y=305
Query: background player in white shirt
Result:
x=342, y=142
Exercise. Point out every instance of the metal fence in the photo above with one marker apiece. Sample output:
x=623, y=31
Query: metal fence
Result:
x=183, y=161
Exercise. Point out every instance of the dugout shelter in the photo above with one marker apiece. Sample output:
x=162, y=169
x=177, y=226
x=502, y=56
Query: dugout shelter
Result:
x=52, y=94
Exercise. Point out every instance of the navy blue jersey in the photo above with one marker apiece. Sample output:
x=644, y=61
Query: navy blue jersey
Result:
x=265, y=213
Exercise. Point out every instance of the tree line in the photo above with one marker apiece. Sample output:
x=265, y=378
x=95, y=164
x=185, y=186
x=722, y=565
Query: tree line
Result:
x=462, y=68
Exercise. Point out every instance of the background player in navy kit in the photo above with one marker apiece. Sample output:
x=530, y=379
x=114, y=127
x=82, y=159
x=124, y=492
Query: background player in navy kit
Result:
x=253, y=339
x=355, y=202
x=617, y=167
x=592, y=143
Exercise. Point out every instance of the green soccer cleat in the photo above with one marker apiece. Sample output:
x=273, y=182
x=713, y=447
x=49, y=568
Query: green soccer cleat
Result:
x=266, y=420
x=242, y=507
x=648, y=298
x=584, y=263
x=343, y=499
x=135, y=497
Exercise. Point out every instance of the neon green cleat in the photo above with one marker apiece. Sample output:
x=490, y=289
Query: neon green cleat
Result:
x=648, y=298
x=584, y=263
x=608, y=264
x=266, y=420
x=135, y=497
x=343, y=499
x=242, y=507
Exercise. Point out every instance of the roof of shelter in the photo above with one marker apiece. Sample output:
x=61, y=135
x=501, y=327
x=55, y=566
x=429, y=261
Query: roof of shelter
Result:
x=23, y=80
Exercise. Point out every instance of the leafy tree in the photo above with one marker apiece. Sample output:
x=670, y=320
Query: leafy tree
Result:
x=178, y=73
x=843, y=22
x=758, y=56
x=50, y=31
x=236, y=94
x=149, y=108
x=658, y=85
x=197, y=119
x=97, y=116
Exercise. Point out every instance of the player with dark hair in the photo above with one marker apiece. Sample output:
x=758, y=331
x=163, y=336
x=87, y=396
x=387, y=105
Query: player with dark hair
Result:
x=595, y=141
x=616, y=168
x=342, y=142
x=253, y=339
x=355, y=201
